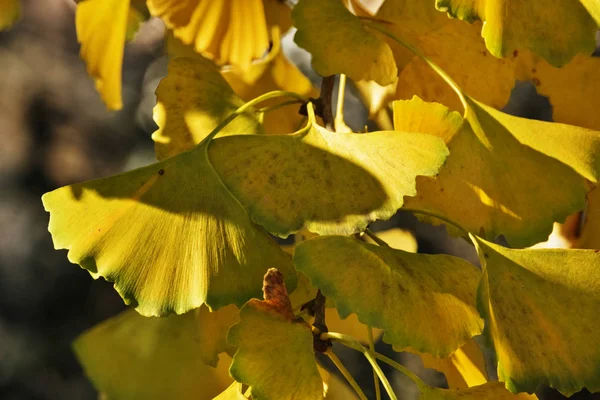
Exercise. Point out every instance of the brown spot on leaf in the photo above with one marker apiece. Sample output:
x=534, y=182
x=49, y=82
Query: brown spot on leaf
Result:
x=275, y=293
x=161, y=171
x=533, y=70
x=515, y=53
x=536, y=82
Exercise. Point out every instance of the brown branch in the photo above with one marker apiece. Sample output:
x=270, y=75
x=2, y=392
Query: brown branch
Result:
x=327, y=100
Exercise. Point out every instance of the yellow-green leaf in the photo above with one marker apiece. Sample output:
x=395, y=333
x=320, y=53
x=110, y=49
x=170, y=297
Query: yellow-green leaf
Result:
x=487, y=391
x=233, y=392
x=275, y=353
x=170, y=236
x=191, y=101
x=481, y=190
x=227, y=31
x=422, y=302
x=101, y=30
x=11, y=11
x=130, y=357
x=555, y=29
x=341, y=44
x=285, y=181
x=541, y=311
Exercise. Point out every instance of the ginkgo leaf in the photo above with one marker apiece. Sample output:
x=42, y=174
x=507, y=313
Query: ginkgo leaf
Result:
x=519, y=199
x=170, y=236
x=487, y=391
x=285, y=181
x=11, y=11
x=227, y=31
x=191, y=101
x=274, y=72
x=422, y=302
x=134, y=357
x=275, y=353
x=233, y=392
x=101, y=30
x=541, y=309
x=341, y=44
x=590, y=231
x=518, y=25
x=463, y=368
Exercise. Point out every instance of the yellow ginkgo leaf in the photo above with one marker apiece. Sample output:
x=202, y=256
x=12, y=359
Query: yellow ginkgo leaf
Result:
x=275, y=353
x=529, y=25
x=170, y=236
x=134, y=357
x=487, y=391
x=191, y=101
x=520, y=199
x=285, y=181
x=541, y=308
x=10, y=12
x=422, y=302
x=274, y=72
x=463, y=368
x=590, y=232
x=101, y=30
x=226, y=31
x=341, y=44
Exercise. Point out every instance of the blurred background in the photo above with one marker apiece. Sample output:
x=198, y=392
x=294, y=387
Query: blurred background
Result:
x=54, y=130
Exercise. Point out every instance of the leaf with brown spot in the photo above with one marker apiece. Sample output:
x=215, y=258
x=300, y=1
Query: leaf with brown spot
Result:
x=422, y=302
x=275, y=352
x=285, y=181
x=541, y=312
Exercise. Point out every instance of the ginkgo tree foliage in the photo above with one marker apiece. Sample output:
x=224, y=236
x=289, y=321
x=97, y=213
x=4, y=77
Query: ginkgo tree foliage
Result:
x=248, y=151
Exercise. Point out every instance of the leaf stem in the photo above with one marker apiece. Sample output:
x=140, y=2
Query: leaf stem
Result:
x=353, y=343
x=339, y=110
x=377, y=26
x=274, y=107
x=375, y=377
x=247, y=106
x=349, y=341
x=376, y=238
x=340, y=366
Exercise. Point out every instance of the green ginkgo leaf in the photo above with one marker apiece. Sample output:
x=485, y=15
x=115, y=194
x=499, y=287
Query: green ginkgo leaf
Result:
x=275, y=353
x=130, y=357
x=487, y=391
x=11, y=11
x=541, y=314
x=191, y=101
x=512, y=25
x=285, y=181
x=340, y=43
x=422, y=302
x=484, y=193
x=170, y=236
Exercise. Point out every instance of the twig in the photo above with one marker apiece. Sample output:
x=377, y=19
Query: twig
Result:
x=327, y=98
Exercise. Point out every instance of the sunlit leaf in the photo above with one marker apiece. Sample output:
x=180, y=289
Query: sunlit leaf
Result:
x=397, y=238
x=340, y=43
x=541, y=309
x=422, y=302
x=191, y=101
x=227, y=31
x=233, y=392
x=487, y=391
x=101, y=30
x=11, y=11
x=275, y=353
x=274, y=72
x=285, y=181
x=170, y=236
x=590, y=232
x=483, y=192
x=134, y=357
x=519, y=25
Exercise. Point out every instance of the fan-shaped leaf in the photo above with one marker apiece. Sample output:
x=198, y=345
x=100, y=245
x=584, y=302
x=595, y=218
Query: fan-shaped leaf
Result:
x=520, y=199
x=133, y=357
x=422, y=302
x=487, y=391
x=191, y=101
x=285, y=181
x=170, y=236
x=275, y=352
x=11, y=11
x=519, y=25
x=341, y=44
x=541, y=309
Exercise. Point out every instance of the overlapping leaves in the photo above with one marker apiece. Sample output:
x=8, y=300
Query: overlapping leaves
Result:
x=422, y=302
